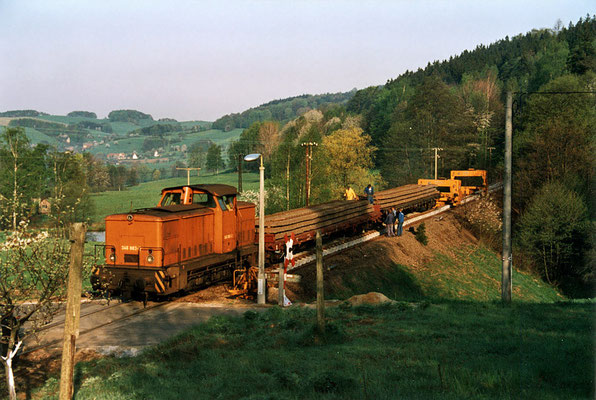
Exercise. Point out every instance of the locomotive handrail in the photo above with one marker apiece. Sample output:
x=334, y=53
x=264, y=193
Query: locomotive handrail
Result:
x=103, y=246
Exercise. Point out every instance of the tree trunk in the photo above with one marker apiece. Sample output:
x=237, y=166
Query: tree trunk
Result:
x=7, y=361
x=12, y=393
x=14, y=198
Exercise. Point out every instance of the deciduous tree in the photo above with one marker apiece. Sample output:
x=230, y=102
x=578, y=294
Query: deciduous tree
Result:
x=554, y=231
x=348, y=155
x=214, y=160
x=269, y=137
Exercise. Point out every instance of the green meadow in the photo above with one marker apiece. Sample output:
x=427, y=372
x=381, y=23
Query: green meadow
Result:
x=445, y=350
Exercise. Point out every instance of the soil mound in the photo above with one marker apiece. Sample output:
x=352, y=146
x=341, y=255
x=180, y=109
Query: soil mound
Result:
x=373, y=298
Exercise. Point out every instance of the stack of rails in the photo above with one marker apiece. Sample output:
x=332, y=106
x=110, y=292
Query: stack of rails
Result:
x=408, y=197
x=342, y=215
x=328, y=217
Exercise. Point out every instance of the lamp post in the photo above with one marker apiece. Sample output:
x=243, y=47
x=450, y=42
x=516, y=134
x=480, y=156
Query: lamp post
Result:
x=261, y=275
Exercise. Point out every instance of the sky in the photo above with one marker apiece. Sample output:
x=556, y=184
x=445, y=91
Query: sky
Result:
x=200, y=60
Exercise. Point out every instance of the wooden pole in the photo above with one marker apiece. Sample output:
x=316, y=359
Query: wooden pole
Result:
x=307, y=186
x=436, y=149
x=73, y=309
x=188, y=172
x=288, y=182
x=320, y=287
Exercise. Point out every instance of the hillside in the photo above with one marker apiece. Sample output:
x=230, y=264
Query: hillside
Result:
x=126, y=136
x=452, y=266
x=282, y=110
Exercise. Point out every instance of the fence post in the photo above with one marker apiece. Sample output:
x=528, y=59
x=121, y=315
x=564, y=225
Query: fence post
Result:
x=73, y=309
x=320, y=288
x=280, y=292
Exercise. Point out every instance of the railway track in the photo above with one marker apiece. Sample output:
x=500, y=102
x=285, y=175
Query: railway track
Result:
x=51, y=335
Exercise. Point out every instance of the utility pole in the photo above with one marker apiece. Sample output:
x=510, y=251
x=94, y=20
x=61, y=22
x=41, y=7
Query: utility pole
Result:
x=188, y=173
x=308, y=146
x=490, y=157
x=288, y=182
x=240, y=173
x=506, y=285
x=436, y=149
x=73, y=309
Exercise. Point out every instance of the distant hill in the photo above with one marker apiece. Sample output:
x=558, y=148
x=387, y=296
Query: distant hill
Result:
x=125, y=131
x=22, y=113
x=133, y=116
x=281, y=110
x=83, y=114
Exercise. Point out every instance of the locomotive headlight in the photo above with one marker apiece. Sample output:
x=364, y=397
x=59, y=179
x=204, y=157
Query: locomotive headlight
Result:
x=113, y=256
x=150, y=258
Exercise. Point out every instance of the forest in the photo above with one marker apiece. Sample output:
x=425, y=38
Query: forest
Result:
x=280, y=110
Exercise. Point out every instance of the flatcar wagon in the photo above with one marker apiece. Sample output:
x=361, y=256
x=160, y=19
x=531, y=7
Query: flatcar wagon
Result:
x=343, y=216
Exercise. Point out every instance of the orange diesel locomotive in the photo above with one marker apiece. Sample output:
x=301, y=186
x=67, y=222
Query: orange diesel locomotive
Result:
x=197, y=234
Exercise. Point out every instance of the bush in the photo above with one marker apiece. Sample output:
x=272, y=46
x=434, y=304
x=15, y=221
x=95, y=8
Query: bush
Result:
x=554, y=231
x=483, y=218
x=421, y=234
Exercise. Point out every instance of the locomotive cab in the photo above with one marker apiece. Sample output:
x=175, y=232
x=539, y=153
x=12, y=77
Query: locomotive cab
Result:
x=472, y=181
x=220, y=199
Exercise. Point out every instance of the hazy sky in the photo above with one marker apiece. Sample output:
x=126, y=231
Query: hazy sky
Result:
x=203, y=59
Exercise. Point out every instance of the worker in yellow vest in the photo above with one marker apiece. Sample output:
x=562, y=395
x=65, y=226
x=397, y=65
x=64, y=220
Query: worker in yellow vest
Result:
x=350, y=194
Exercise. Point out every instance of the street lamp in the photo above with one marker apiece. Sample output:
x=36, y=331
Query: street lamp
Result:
x=261, y=276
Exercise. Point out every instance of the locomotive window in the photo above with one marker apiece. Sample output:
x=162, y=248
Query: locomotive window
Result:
x=222, y=204
x=170, y=199
x=203, y=199
x=471, y=180
x=229, y=202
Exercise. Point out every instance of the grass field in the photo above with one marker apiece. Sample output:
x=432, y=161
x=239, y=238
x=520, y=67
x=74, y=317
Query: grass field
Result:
x=449, y=350
x=147, y=194
x=216, y=136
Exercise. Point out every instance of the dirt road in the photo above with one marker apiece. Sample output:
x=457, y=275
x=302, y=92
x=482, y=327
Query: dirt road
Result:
x=122, y=328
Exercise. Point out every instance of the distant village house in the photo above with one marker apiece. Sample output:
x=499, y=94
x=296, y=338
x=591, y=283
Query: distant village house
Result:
x=116, y=156
x=43, y=205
